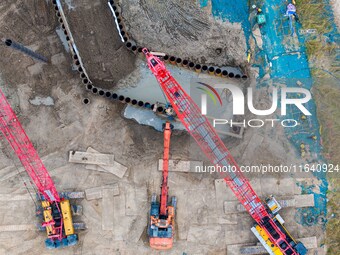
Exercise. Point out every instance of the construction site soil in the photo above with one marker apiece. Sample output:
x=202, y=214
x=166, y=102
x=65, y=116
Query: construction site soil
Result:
x=202, y=224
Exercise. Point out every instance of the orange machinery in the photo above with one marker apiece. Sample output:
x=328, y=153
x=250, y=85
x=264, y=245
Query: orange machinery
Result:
x=162, y=214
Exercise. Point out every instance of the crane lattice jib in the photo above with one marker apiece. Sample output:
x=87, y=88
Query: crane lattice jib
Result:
x=22, y=146
x=205, y=135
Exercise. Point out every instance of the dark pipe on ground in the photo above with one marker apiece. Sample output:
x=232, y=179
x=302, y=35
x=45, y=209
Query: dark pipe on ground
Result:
x=94, y=90
x=211, y=70
x=140, y=50
x=198, y=68
x=121, y=98
x=86, y=101
x=237, y=76
x=82, y=75
x=127, y=100
x=134, y=102
x=85, y=81
x=128, y=44
x=204, y=69
x=23, y=49
x=140, y=103
x=218, y=72
x=191, y=65
x=160, y=109
x=231, y=75
x=108, y=94
x=80, y=69
x=166, y=58
x=179, y=61
x=147, y=105
x=101, y=92
x=172, y=60
x=75, y=56
x=134, y=48
x=114, y=96
x=185, y=63
x=224, y=73
x=125, y=38
x=89, y=87
x=244, y=77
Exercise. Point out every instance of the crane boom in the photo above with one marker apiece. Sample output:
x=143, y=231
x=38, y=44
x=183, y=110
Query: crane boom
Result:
x=22, y=146
x=164, y=191
x=205, y=135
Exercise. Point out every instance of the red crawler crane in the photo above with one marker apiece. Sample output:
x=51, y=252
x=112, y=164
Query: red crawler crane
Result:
x=205, y=135
x=57, y=213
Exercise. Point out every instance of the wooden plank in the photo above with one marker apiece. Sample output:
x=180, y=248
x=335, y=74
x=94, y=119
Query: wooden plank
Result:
x=96, y=192
x=91, y=158
x=181, y=165
x=107, y=211
x=116, y=168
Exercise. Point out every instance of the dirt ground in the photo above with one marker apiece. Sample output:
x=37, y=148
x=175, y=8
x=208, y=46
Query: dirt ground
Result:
x=104, y=56
x=68, y=124
x=182, y=29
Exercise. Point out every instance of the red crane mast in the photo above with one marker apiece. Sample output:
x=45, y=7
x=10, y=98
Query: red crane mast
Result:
x=23, y=148
x=205, y=135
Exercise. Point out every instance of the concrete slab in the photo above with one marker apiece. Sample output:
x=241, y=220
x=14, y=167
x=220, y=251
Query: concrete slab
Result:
x=138, y=225
x=97, y=192
x=13, y=228
x=117, y=169
x=305, y=200
x=12, y=197
x=206, y=234
x=91, y=158
x=120, y=220
x=310, y=242
x=181, y=165
x=136, y=199
x=232, y=207
x=223, y=193
x=108, y=211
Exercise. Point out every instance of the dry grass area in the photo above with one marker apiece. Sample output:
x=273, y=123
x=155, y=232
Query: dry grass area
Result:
x=329, y=116
x=320, y=50
x=322, y=57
